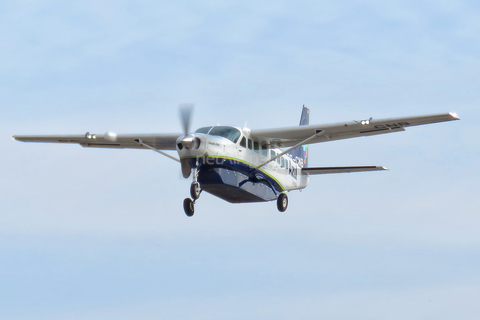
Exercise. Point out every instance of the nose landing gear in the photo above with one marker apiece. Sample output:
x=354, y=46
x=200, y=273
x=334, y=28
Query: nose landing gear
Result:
x=195, y=190
x=189, y=207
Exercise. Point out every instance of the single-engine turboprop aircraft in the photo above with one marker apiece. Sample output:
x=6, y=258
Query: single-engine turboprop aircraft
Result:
x=242, y=165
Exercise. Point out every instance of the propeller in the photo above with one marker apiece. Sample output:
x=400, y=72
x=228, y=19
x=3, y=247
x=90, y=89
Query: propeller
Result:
x=186, y=110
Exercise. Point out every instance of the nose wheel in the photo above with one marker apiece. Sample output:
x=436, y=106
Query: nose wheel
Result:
x=189, y=204
x=189, y=207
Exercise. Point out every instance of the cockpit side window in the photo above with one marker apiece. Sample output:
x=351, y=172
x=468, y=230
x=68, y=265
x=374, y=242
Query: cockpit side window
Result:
x=243, y=142
x=230, y=133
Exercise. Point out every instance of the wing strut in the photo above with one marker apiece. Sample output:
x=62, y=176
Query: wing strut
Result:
x=317, y=134
x=140, y=142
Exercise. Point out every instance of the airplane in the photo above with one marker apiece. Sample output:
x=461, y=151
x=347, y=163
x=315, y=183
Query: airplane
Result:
x=242, y=165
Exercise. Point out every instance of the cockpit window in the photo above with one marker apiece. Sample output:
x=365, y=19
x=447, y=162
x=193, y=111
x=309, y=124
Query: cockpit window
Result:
x=203, y=130
x=230, y=133
x=243, y=143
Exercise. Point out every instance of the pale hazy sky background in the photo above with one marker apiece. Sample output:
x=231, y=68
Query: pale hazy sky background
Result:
x=101, y=234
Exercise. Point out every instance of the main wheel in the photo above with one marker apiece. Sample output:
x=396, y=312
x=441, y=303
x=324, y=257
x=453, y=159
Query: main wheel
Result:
x=188, y=207
x=282, y=202
x=195, y=190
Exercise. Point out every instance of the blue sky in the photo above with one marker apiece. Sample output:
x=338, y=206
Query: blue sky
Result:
x=101, y=234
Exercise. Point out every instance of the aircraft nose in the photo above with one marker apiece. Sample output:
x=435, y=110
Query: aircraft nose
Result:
x=194, y=145
x=189, y=142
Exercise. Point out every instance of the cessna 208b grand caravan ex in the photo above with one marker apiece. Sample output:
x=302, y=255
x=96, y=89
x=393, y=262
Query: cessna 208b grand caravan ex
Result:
x=242, y=165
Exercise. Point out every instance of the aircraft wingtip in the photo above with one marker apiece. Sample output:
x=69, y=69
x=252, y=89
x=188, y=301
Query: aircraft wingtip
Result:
x=454, y=115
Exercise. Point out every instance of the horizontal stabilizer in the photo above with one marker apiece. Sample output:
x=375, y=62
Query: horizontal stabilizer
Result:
x=327, y=170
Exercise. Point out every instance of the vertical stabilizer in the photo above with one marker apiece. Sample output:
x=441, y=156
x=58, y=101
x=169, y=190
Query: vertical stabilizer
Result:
x=301, y=153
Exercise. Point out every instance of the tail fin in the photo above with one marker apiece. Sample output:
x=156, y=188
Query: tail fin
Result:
x=301, y=153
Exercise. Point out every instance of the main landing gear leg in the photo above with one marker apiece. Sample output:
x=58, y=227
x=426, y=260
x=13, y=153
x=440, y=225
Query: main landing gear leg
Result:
x=195, y=190
x=282, y=202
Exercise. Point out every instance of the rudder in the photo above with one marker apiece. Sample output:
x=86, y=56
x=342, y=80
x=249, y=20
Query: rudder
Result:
x=301, y=153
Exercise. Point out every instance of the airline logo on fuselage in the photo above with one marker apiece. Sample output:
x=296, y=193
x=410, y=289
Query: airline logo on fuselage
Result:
x=293, y=171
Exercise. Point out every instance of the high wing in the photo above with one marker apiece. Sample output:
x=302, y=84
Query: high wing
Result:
x=290, y=136
x=327, y=170
x=110, y=140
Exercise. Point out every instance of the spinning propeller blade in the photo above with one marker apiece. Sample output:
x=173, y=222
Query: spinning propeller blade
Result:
x=186, y=110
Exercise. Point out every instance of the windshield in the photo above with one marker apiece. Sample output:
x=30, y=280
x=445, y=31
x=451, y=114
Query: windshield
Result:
x=203, y=130
x=230, y=133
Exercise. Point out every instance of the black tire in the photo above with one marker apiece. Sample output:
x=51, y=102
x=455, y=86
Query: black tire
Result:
x=195, y=190
x=282, y=202
x=188, y=207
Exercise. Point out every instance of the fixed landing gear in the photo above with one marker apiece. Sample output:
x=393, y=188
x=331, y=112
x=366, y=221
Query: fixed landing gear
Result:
x=195, y=190
x=282, y=202
x=189, y=207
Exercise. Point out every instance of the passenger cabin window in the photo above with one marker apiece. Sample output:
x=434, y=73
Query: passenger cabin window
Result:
x=203, y=130
x=250, y=144
x=255, y=146
x=264, y=150
x=230, y=133
x=272, y=154
x=243, y=143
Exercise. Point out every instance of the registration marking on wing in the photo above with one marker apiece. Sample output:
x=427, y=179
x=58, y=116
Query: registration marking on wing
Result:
x=391, y=125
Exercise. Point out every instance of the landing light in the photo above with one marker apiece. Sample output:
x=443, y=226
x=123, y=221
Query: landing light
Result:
x=364, y=122
x=88, y=135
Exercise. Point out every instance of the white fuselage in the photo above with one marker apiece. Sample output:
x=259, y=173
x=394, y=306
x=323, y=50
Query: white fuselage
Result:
x=214, y=149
